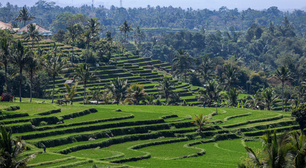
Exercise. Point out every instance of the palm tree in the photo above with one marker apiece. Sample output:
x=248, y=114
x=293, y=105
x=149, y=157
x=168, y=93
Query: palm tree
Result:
x=232, y=96
x=11, y=150
x=32, y=67
x=20, y=57
x=298, y=141
x=230, y=76
x=74, y=32
x=174, y=98
x=205, y=67
x=54, y=50
x=125, y=28
x=106, y=96
x=82, y=73
x=255, y=100
x=71, y=91
x=32, y=34
x=212, y=93
x=96, y=95
x=136, y=92
x=92, y=29
x=165, y=87
x=5, y=56
x=277, y=151
x=283, y=74
x=54, y=65
x=182, y=62
x=200, y=121
x=268, y=97
x=150, y=99
x=24, y=16
x=118, y=88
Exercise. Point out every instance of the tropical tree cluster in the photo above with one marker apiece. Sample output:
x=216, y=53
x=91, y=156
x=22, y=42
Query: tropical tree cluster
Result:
x=285, y=150
x=50, y=15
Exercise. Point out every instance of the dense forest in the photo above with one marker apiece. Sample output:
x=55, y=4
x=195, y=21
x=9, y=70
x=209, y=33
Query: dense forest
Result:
x=54, y=17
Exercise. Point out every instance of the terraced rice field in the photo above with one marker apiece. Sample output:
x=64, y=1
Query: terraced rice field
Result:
x=138, y=136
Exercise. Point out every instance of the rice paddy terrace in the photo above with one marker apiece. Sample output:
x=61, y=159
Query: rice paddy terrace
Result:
x=135, y=69
x=137, y=136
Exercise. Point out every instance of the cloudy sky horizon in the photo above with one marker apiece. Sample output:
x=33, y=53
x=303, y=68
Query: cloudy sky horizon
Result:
x=195, y=4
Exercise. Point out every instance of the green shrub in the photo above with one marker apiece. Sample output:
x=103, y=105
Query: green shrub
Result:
x=42, y=123
x=158, y=102
x=49, y=120
x=50, y=112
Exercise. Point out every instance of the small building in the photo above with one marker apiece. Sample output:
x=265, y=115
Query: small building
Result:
x=47, y=34
x=8, y=26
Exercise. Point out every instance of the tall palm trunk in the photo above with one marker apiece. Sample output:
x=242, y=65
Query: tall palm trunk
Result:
x=282, y=96
x=20, y=79
x=84, y=91
x=53, y=88
x=185, y=76
x=31, y=84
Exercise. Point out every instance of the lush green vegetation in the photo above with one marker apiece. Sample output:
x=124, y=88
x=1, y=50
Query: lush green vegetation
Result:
x=153, y=135
x=233, y=83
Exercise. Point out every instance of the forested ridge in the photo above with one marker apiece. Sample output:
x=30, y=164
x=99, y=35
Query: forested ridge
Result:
x=52, y=16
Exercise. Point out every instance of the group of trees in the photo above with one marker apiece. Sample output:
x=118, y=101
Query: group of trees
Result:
x=160, y=17
x=224, y=91
x=285, y=150
x=121, y=92
x=14, y=52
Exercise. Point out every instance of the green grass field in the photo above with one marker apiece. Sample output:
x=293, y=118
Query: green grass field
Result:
x=138, y=136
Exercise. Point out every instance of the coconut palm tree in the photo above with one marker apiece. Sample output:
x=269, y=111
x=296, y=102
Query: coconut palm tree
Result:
x=200, y=121
x=5, y=56
x=24, y=16
x=165, y=87
x=212, y=93
x=20, y=57
x=125, y=28
x=82, y=73
x=268, y=97
x=255, y=100
x=92, y=29
x=232, y=96
x=277, y=151
x=96, y=94
x=230, y=76
x=54, y=65
x=283, y=74
x=71, y=91
x=135, y=92
x=298, y=141
x=205, y=67
x=31, y=67
x=118, y=88
x=74, y=32
x=11, y=150
x=32, y=34
x=106, y=96
x=182, y=63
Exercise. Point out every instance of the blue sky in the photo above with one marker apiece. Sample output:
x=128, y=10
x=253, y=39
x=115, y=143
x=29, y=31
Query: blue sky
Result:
x=195, y=4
